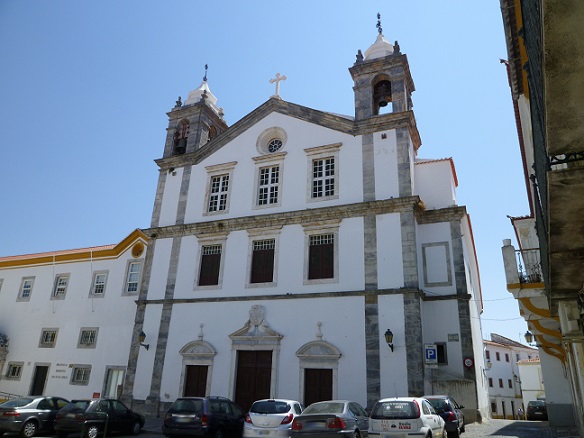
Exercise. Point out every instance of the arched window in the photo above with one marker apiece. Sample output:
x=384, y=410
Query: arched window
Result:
x=381, y=95
x=181, y=135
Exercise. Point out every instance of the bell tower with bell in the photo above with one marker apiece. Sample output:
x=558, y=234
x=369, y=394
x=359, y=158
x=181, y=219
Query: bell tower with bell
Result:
x=382, y=79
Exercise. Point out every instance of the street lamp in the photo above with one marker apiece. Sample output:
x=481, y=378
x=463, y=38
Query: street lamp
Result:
x=389, y=338
x=528, y=337
x=142, y=338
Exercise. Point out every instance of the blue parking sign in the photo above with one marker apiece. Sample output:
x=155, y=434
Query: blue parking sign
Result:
x=430, y=354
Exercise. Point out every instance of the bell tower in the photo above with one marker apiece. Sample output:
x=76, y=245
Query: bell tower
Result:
x=194, y=123
x=382, y=78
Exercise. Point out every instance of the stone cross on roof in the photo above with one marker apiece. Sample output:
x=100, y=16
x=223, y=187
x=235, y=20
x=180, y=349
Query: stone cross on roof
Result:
x=277, y=80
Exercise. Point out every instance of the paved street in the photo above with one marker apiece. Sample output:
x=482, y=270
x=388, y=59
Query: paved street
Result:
x=508, y=428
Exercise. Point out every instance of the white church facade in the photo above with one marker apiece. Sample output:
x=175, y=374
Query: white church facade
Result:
x=282, y=250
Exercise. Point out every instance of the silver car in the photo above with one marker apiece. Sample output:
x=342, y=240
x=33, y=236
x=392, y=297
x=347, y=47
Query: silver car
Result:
x=271, y=418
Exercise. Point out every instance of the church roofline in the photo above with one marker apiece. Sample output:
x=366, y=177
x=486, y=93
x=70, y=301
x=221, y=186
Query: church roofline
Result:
x=325, y=119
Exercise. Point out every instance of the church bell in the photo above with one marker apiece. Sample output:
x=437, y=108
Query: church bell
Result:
x=384, y=98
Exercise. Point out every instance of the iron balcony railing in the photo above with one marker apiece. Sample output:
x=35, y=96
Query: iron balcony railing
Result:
x=529, y=265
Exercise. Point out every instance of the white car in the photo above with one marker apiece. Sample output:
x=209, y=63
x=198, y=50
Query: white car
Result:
x=271, y=418
x=403, y=417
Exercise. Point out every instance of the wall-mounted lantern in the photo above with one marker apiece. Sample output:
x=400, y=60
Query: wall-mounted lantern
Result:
x=142, y=338
x=389, y=338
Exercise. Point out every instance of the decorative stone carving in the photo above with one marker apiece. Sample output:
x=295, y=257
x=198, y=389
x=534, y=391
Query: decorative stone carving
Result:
x=257, y=327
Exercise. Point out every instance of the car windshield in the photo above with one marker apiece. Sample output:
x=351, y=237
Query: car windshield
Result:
x=439, y=404
x=536, y=403
x=77, y=405
x=395, y=409
x=16, y=403
x=187, y=406
x=324, y=408
x=270, y=407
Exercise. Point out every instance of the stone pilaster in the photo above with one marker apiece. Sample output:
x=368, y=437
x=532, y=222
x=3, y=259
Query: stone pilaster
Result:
x=372, y=349
x=409, y=249
x=414, y=343
x=404, y=164
x=184, y=191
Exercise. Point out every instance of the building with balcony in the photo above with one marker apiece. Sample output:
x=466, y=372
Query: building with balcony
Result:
x=545, y=43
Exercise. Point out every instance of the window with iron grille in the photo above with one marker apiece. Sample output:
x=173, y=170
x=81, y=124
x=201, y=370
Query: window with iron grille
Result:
x=14, y=370
x=80, y=374
x=60, y=288
x=321, y=256
x=269, y=185
x=218, y=193
x=262, y=265
x=98, y=286
x=210, y=265
x=26, y=288
x=133, y=277
x=48, y=338
x=323, y=177
x=87, y=338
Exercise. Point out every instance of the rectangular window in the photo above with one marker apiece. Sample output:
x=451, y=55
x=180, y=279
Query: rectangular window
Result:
x=60, y=287
x=87, y=338
x=98, y=285
x=210, y=265
x=487, y=354
x=442, y=353
x=218, y=194
x=510, y=383
x=14, y=370
x=48, y=338
x=269, y=185
x=26, y=288
x=1, y=281
x=506, y=357
x=80, y=374
x=323, y=177
x=497, y=356
x=517, y=357
x=500, y=383
x=262, y=265
x=490, y=382
x=321, y=256
x=133, y=277
x=494, y=407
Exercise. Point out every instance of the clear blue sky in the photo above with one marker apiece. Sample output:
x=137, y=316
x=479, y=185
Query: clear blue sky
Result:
x=85, y=87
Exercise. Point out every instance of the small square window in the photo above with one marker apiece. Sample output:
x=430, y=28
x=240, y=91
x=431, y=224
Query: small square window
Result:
x=80, y=374
x=25, y=289
x=60, y=287
x=133, y=278
x=48, y=338
x=98, y=284
x=487, y=354
x=87, y=338
x=14, y=370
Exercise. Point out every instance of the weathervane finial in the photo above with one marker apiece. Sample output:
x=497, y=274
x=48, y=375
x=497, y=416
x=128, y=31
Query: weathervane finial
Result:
x=205, y=77
x=378, y=25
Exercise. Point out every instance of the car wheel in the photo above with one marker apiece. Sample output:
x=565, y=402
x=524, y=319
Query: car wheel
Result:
x=29, y=429
x=136, y=428
x=92, y=431
x=455, y=434
x=356, y=434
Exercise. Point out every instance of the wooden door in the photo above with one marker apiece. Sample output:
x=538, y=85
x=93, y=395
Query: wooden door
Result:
x=318, y=385
x=195, y=381
x=39, y=379
x=254, y=375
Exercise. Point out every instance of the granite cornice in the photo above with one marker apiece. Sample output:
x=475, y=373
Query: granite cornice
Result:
x=298, y=217
x=378, y=64
x=280, y=296
x=448, y=214
x=384, y=122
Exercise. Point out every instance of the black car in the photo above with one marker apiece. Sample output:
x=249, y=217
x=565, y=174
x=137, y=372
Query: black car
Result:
x=450, y=411
x=30, y=415
x=94, y=417
x=536, y=410
x=203, y=416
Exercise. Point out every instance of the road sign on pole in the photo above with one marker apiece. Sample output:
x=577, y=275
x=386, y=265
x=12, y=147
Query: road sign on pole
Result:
x=431, y=354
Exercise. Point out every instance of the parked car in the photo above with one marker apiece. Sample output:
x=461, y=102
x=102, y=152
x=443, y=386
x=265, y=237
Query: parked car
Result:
x=30, y=415
x=271, y=418
x=334, y=418
x=536, y=410
x=450, y=411
x=94, y=417
x=405, y=416
x=203, y=416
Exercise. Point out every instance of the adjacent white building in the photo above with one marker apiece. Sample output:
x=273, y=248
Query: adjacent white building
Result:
x=505, y=381
x=68, y=318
